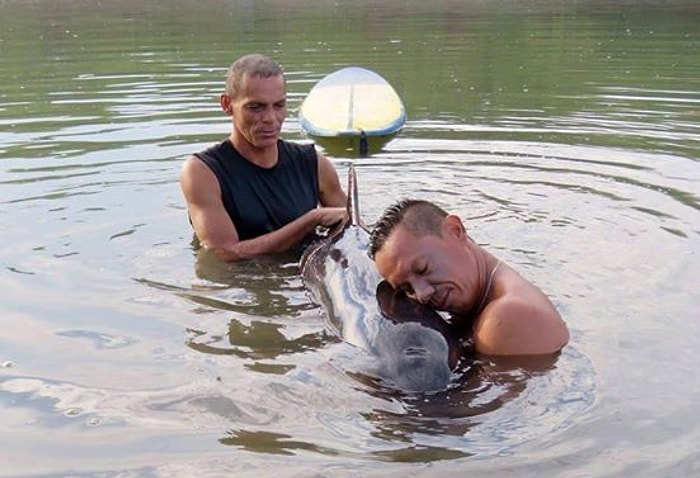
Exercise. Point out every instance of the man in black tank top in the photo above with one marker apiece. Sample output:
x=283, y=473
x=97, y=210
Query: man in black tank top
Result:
x=254, y=193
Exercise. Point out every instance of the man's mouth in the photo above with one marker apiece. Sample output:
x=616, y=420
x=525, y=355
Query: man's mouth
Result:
x=268, y=130
x=439, y=301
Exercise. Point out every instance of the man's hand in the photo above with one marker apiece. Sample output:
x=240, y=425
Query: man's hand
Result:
x=331, y=216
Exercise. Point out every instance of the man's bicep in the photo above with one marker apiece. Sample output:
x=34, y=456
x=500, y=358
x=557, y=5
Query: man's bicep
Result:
x=331, y=193
x=202, y=192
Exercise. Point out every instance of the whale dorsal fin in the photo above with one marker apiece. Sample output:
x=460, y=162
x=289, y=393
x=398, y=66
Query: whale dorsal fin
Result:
x=353, y=203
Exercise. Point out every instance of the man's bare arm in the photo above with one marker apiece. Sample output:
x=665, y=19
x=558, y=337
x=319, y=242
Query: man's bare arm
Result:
x=331, y=194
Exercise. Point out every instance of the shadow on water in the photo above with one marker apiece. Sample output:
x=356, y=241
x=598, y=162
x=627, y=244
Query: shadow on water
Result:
x=480, y=386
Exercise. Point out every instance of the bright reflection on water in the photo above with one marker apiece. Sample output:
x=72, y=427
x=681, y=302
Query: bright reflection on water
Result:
x=566, y=136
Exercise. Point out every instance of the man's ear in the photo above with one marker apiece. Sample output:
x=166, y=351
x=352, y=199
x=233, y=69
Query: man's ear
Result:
x=225, y=102
x=452, y=227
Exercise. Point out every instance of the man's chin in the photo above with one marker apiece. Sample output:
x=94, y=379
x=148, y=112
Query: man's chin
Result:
x=265, y=141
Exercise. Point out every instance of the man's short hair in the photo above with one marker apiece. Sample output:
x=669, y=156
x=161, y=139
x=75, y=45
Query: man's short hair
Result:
x=417, y=216
x=251, y=65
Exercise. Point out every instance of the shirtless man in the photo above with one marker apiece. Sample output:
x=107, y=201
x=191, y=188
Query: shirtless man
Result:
x=422, y=250
x=254, y=193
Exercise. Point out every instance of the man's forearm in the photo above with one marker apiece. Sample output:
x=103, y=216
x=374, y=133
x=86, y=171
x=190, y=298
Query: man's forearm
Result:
x=280, y=240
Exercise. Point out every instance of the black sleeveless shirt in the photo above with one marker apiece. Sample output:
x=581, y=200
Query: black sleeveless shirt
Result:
x=261, y=200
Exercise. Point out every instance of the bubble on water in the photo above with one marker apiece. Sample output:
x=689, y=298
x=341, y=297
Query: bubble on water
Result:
x=72, y=412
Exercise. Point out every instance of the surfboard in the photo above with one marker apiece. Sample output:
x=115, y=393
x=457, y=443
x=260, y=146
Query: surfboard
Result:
x=352, y=102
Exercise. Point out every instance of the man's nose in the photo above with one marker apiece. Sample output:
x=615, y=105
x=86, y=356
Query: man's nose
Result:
x=269, y=115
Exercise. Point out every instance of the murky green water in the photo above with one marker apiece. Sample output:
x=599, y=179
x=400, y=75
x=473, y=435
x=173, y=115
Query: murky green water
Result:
x=566, y=134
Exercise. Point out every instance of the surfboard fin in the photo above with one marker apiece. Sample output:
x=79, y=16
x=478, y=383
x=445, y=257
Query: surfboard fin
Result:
x=364, y=144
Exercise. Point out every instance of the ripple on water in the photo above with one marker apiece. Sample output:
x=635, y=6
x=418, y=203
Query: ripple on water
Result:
x=492, y=406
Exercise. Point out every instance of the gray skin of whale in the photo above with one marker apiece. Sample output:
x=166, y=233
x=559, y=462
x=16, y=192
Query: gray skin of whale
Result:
x=414, y=347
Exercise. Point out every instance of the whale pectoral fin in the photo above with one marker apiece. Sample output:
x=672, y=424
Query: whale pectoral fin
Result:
x=396, y=306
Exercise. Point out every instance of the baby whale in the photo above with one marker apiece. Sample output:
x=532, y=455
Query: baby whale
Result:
x=415, y=349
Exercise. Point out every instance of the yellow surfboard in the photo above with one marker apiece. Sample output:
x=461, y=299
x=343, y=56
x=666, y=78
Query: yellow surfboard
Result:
x=352, y=101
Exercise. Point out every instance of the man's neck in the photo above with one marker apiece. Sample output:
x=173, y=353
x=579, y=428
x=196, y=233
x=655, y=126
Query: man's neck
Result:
x=488, y=265
x=265, y=157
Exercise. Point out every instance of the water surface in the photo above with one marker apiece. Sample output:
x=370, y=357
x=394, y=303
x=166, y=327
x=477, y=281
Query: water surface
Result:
x=565, y=134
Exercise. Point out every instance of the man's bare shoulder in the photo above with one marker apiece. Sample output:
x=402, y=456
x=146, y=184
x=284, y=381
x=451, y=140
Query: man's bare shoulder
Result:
x=197, y=181
x=520, y=320
x=194, y=169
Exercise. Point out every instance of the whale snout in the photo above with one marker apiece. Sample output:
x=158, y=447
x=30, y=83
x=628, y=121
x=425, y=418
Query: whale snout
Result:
x=415, y=357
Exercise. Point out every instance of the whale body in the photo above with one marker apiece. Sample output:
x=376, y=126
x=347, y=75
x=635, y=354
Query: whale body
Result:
x=413, y=346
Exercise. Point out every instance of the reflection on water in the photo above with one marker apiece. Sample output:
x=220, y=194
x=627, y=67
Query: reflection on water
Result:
x=479, y=388
x=268, y=288
x=257, y=341
x=269, y=442
x=565, y=134
x=349, y=146
x=265, y=286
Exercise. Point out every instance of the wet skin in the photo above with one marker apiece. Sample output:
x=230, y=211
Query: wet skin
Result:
x=437, y=271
